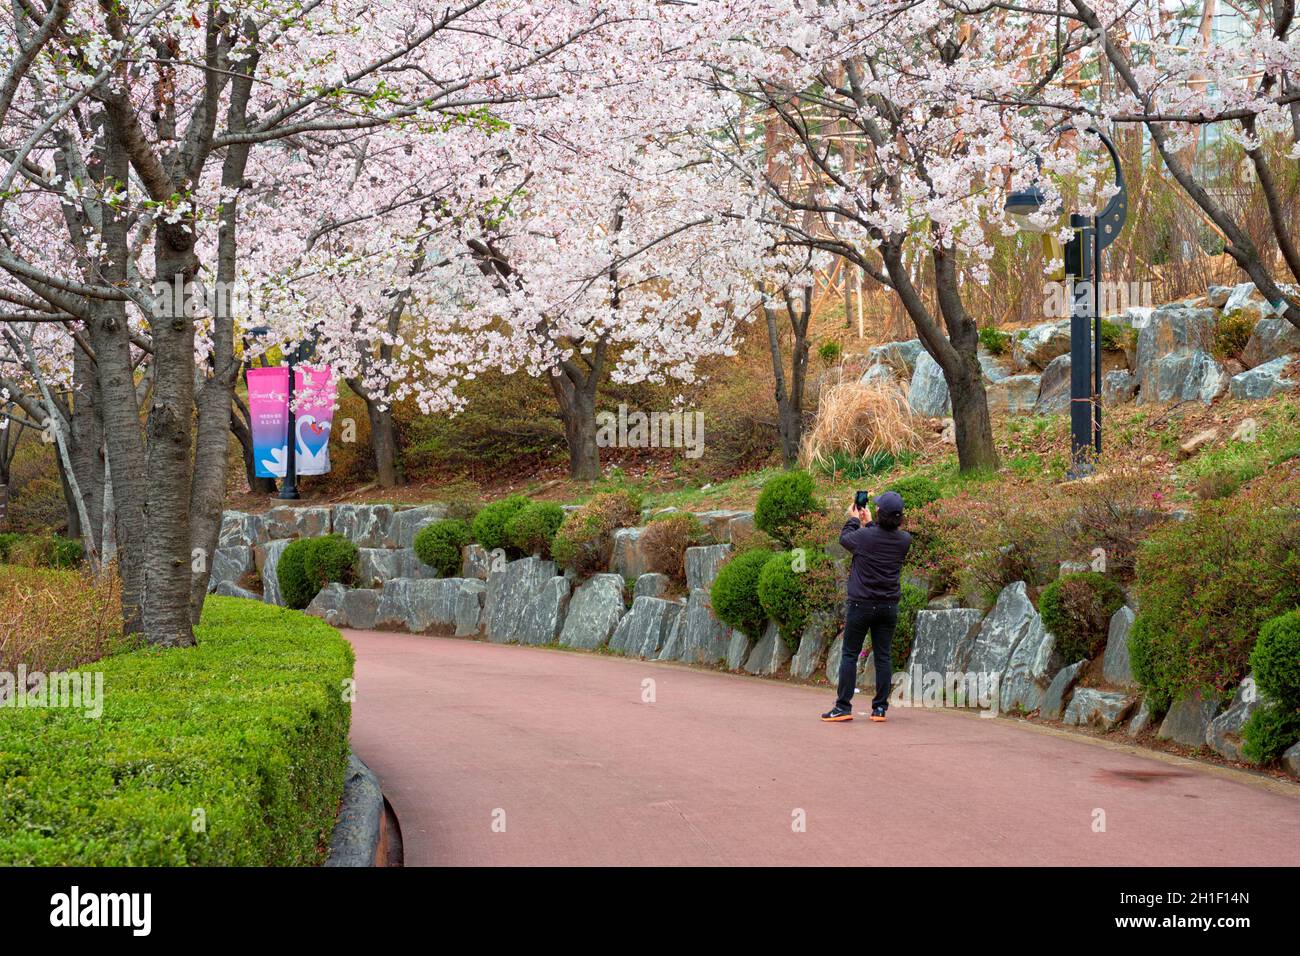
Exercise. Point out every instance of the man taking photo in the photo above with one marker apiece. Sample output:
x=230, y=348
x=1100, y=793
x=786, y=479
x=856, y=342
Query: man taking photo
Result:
x=879, y=549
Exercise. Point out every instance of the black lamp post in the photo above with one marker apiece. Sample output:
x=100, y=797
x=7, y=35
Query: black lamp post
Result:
x=1092, y=234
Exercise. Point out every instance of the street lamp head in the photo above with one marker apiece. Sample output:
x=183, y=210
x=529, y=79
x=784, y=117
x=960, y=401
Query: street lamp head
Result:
x=1023, y=204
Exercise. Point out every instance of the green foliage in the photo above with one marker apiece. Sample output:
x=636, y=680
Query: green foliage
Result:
x=1232, y=332
x=995, y=341
x=734, y=595
x=1113, y=336
x=1275, y=661
x=489, y=525
x=917, y=491
x=7, y=540
x=584, y=540
x=291, y=571
x=913, y=601
x=846, y=466
x=331, y=557
x=786, y=505
x=250, y=725
x=1205, y=586
x=830, y=352
x=439, y=545
x=1269, y=731
x=531, y=529
x=1077, y=609
x=792, y=585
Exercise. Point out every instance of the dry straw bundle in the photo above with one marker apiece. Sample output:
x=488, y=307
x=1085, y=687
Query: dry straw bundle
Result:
x=860, y=419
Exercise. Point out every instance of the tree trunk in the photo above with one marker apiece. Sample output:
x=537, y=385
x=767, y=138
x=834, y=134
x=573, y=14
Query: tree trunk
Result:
x=789, y=401
x=4, y=504
x=87, y=445
x=974, y=426
x=167, y=556
x=383, y=443
x=578, y=411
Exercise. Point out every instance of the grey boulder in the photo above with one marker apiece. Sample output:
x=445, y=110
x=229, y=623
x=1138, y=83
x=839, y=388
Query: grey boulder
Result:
x=1058, y=690
x=1115, y=665
x=366, y=526
x=646, y=627
x=1189, y=719
x=1264, y=380
x=702, y=564
x=628, y=557
x=1039, y=345
x=594, y=612
x=407, y=522
x=928, y=392
x=700, y=637
x=377, y=565
x=817, y=634
x=230, y=564
x=1014, y=394
x=289, y=521
x=651, y=584
x=509, y=611
x=1223, y=736
x=1100, y=708
x=770, y=654
x=1054, y=388
x=1271, y=339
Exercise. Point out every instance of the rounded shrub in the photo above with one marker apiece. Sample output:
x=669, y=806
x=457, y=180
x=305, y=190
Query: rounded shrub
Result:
x=786, y=505
x=584, y=539
x=734, y=595
x=912, y=601
x=666, y=538
x=7, y=540
x=531, y=529
x=65, y=552
x=1275, y=661
x=794, y=584
x=489, y=525
x=331, y=557
x=1269, y=731
x=1077, y=608
x=439, y=545
x=917, y=491
x=995, y=340
x=291, y=571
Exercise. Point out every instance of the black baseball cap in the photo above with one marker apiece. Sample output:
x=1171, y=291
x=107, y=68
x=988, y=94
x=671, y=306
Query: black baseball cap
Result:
x=890, y=503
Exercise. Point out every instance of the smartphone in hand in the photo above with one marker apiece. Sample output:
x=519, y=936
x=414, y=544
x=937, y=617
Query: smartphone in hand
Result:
x=861, y=500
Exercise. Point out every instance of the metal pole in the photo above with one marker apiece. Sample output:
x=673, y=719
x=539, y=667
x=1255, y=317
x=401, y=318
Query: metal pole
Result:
x=289, y=489
x=1096, y=345
x=1081, y=346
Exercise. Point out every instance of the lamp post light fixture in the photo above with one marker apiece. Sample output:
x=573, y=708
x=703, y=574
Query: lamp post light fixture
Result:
x=1082, y=258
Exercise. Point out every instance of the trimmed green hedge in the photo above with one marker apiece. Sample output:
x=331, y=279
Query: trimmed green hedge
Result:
x=250, y=728
x=489, y=525
x=734, y=595
x=439, y=545
x=786, y=505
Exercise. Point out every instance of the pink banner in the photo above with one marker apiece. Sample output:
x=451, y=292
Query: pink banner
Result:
x=268, y=402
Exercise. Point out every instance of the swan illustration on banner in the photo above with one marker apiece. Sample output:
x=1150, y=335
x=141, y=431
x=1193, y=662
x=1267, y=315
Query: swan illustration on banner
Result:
x=313, y=446
x=268, y=402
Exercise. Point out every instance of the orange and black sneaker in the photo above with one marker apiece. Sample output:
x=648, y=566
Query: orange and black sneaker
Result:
x=878, y=714
x=838, y=713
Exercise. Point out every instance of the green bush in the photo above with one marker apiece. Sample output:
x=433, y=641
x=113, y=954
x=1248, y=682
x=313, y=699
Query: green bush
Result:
x=439, y=545
x=913, y=600
x=1275, y=661
x=794, y=585
x=65, y=552
x=785, y=506
x=1077, y=608
x=829, y=352
x=734, y=595
x=251, y=726
x=584, y=539
x=917, y=491
x=296, y=588
x=531, y=530
x=489, y=525
x=331, y=557
x=995, y=341
x=1271, y=729
x=1232, y=332
x=1113, y=336
x=7, y=540
x=1205, y=586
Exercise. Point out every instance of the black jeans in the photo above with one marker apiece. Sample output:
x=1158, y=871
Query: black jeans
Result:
x=880, y=620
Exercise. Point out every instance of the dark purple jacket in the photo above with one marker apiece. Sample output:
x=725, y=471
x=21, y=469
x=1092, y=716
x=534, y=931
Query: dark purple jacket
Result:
x=878, y=557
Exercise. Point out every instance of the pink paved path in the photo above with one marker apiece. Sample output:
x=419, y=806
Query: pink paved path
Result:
x=714, y=770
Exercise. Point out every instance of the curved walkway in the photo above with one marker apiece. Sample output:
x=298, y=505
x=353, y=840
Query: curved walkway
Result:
x=497, y=754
